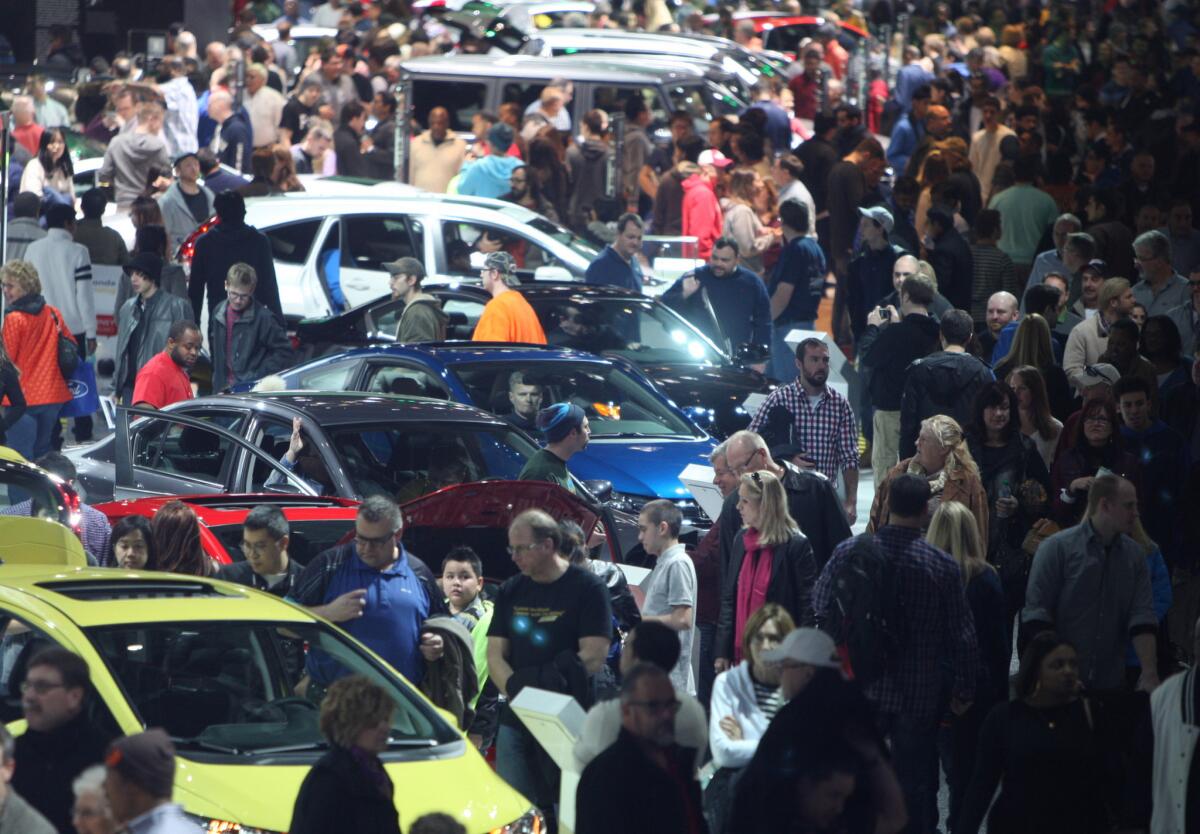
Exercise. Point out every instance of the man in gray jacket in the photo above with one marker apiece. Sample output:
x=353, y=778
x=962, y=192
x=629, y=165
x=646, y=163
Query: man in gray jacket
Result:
x=144, y=321
x=187, y=203
x=24, y=228
x=245, y=339
x=422, y=319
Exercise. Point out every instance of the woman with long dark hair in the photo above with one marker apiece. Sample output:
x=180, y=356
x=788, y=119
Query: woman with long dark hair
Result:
x=1097, y=444
x=1031, y=346
x=51, y=168
x=1015, y=479
x=1033, y=407
x=1044, y=750
x=177, y=541
x=547, y=165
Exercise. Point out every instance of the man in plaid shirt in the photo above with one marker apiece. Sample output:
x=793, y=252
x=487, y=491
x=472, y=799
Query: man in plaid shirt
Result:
x=822, y=421
x=935, y=645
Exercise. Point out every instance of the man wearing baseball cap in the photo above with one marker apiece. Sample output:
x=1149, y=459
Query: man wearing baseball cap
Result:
x=702, y=217
x=186, y=203
x=422, y=319
x=801, y=656
x=870, y=271
x=508, y=316
x=140, y=783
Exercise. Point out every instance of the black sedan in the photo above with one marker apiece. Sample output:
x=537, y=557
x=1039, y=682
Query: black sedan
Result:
x=697, y=374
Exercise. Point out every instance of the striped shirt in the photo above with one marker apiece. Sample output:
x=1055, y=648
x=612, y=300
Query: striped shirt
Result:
x=993, y=272
x=769, y=698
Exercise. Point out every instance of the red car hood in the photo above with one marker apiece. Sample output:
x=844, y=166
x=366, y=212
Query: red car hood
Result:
x=495, y=504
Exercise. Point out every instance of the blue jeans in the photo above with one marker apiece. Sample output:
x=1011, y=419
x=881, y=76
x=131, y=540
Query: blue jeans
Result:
x=31, y=434
x=521, y=762
x=915, y=757
x=708, y=639
x=783, y=360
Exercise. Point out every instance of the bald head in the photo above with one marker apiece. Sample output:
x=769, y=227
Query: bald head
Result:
x=746, y=451
x=1002, y=308
x=905, y=267
x=214, y=54
x=220, y=105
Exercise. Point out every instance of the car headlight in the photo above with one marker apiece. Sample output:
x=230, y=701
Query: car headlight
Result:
x=214, y=826
x=531, y=822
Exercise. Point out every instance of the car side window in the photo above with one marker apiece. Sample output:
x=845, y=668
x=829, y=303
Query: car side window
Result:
x=333, y=377
x=612, y=99
x=461, y=98
x=403, y=379
x=291, y=242
x=464, y=314
x=369, y=241
x=467, y=243
x=189, y=451
x=273, y=439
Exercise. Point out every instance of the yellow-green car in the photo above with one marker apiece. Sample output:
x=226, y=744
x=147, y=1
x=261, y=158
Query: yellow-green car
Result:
x=217, y=665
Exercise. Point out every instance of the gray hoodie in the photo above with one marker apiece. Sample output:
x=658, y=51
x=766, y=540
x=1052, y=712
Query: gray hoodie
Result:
x=128, y=160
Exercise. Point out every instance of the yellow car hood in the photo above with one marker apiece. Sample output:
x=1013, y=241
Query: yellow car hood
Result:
x=262, y=796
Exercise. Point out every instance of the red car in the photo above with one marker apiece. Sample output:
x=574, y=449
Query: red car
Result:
x=474, y=514
x=782, y=32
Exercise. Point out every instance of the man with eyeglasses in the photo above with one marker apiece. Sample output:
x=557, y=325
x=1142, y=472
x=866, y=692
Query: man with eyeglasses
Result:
x=1161, y=288
x=246, y=341
x=265, y=538
x=659, y=789
x=61, y=740
x=551, y=628
x=811, y=498
x=377, y=591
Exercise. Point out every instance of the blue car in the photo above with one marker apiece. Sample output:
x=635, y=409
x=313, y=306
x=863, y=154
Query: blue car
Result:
x=641, y=440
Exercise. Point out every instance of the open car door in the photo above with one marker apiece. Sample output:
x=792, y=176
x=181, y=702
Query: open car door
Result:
x=167, y=453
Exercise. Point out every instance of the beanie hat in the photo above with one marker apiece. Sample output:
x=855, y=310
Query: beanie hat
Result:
x=500, y=138
x=145, y=759
x=558, y=420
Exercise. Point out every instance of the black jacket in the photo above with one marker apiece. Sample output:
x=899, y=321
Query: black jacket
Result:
x=243, y=574
x=869, y=280
x=221, y=248
x=814, y=505
x=955, y=268
x=49, y=762
x=888, y=351
x=621, y=791
x=941, y=383
x=793, y=572
x=260, y=345
x=348, y=146
x=236, y=144
x=337, y=796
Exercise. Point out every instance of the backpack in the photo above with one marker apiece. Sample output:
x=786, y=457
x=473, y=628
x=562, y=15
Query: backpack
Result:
x=863, y=611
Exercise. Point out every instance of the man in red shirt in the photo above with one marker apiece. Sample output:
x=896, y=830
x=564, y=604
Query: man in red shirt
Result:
x=807, y=87
x=25, y=130
x=164, y=379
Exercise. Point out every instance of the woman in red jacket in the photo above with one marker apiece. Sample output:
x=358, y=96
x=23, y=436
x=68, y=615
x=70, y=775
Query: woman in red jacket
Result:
x=31, y=331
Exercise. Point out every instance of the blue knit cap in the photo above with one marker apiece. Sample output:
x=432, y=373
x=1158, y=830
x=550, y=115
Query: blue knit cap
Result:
x=558, y=420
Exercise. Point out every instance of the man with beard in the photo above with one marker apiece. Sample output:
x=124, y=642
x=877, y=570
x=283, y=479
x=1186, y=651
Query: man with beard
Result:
x=661, y=792
x=165, y=378
x=823, y=422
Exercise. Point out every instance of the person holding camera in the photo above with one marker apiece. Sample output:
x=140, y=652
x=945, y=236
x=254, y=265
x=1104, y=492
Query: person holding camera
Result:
x=892, y=340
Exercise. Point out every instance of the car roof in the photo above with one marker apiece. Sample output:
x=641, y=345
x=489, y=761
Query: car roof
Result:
x=109, y=596
x=458, y=352
x=327, y=408
x=271, y=211
x=572, y=67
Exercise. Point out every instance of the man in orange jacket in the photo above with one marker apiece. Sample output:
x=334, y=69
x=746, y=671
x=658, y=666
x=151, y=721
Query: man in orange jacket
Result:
x=508, y=316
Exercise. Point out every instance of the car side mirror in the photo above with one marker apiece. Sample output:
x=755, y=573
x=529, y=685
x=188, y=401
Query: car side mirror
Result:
x=600, y=488
x=751, y=354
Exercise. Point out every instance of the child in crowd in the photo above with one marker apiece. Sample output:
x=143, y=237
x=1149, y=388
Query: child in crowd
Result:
x=462, y=583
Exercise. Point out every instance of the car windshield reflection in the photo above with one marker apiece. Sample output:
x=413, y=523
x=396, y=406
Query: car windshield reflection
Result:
x=249, y=688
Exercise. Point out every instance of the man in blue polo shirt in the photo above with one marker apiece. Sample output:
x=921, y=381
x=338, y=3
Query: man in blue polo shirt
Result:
x=376, y=591
x=618, y=264
x=737, y=296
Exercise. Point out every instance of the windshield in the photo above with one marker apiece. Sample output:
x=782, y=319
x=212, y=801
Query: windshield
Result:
x=564, y=236
x=704, y=101
x=249, y=688
x=616, y=404
x=411, y=459
x=643, y=332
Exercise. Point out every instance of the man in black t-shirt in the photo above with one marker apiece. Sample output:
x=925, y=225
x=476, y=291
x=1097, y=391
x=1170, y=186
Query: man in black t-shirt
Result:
x=551, y=629
x=299, y=110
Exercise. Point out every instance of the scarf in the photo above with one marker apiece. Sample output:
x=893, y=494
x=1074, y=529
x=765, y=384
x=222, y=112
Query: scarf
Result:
x=373, y=770
x=936, y=484
x=753, y=579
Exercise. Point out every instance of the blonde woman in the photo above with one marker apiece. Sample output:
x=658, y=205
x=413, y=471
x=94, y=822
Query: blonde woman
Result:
x=771, y=561
x=944, y=460
x=1031, y=346
x=953, y=529
x=348, y=789
x=742, y=222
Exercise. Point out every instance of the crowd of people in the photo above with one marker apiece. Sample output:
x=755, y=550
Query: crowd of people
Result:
x=1020, y=300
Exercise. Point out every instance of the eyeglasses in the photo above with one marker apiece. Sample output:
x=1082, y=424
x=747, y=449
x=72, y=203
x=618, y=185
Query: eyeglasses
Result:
x=744, y=464
x=234, y=295
x=40, y=687
x=514, y=549
x=657, y=706
x=364, y=542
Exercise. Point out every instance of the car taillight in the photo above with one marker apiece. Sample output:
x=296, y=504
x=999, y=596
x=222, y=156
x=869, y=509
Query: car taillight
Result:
x=188, y=247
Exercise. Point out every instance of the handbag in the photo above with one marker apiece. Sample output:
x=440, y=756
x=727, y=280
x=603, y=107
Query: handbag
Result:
x=85, y=398
x=68, y=351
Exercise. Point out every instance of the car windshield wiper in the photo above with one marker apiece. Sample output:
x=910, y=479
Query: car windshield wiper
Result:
x=196, y=743
x=404, y=743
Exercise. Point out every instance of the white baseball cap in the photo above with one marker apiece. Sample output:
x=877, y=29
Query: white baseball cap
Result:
x=715, y=158
x=806, y=645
